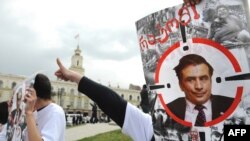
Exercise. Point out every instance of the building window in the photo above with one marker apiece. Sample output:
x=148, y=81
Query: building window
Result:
x=72, y=101
x=72, y=91
x=138, y=98
x=72, y=104
x=62, y=102
x=79, y=103
x=1, y=84
x=122, y=96
x=13, y=85
x=52, y=91
x=86, y=104
x=130, y=97
x=62, y=91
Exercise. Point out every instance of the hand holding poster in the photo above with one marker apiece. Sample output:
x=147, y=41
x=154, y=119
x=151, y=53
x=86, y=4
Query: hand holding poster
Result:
x=16, y=121
x=196, y=56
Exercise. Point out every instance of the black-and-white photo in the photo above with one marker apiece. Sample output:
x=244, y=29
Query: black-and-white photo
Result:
x=217, y=30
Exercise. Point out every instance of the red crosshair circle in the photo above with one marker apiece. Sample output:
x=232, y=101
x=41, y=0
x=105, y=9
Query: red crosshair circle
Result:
x=230, y=57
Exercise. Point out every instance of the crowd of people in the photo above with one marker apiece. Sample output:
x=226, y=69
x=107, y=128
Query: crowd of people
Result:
x=73, y=119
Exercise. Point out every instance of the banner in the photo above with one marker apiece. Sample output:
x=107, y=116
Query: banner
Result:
x=16, y=121
x=196, y=66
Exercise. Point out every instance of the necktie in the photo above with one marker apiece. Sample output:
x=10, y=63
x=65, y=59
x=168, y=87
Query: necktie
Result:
x=201, y=118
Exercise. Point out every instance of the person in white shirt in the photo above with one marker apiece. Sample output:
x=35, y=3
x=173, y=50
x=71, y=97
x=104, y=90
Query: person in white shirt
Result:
x=45, y=119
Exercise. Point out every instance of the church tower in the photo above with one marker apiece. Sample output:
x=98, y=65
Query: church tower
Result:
x=76, y=61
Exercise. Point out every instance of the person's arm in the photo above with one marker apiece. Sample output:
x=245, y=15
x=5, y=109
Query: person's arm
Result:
x=33, y=133
x=133, y=121
x=108, y=100
x=30, y=99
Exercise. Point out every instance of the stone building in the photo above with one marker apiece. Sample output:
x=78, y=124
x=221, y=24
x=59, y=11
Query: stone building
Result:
x=66, y=94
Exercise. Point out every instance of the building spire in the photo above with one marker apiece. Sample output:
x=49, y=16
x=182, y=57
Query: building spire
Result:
x=77, y=59
x=77, y=37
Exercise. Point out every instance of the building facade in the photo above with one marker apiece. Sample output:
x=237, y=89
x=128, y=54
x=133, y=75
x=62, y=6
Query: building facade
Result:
x=65, y=93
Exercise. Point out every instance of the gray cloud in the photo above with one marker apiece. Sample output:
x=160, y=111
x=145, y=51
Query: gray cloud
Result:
x=26, y=48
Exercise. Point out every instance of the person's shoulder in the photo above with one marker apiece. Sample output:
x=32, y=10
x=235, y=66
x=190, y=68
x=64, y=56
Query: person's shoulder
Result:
x=222, y=98
x=144, y=91
x=176, y=101
x=233, y=17
x=55, y=108
x=177, y=107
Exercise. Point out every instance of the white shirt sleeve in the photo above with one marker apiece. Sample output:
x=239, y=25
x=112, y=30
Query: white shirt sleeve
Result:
x=3, y=132
x=137, y=124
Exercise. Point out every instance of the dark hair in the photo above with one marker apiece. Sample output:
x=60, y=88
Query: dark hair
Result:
x=4, y=112
x=222, y=6
x=42, y=86
x=191, y=59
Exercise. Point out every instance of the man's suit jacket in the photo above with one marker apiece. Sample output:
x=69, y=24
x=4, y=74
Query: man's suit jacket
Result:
x=220, y=104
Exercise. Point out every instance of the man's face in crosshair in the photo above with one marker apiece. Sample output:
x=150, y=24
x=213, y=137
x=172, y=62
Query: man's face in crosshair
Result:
x=196, y=83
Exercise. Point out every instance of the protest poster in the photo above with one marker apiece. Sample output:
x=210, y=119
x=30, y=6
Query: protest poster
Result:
x=197, y=55
x=16, y=121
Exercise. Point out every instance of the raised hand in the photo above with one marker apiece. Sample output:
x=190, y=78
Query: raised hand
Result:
x=30, y=100
x=65, y=74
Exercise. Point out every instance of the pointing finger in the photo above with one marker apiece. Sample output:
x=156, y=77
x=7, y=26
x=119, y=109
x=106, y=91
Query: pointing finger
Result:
x=59, y=63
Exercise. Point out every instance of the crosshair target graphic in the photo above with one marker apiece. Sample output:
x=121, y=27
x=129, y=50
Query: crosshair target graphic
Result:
x=222, y=60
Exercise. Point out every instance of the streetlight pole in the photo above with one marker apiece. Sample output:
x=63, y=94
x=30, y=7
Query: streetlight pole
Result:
x=61, y=92
x=59, y=95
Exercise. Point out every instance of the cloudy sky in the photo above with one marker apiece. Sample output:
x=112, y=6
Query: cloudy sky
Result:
x=33, y=33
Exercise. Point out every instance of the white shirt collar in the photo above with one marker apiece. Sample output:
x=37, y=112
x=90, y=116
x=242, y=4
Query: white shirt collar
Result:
x=190, y=106
x=191, y=112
